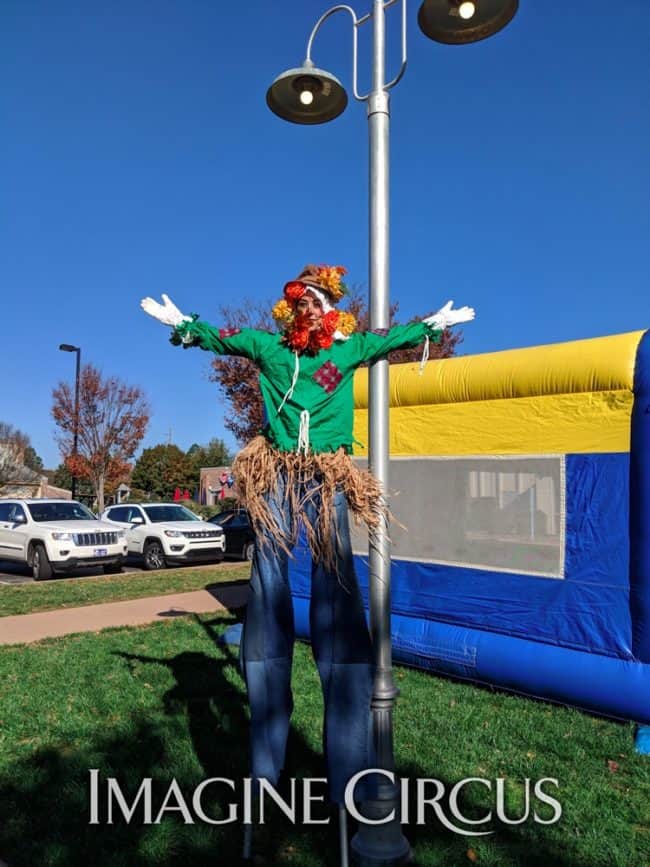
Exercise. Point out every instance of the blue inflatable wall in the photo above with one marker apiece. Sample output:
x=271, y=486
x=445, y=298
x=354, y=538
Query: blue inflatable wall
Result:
x=550, y=595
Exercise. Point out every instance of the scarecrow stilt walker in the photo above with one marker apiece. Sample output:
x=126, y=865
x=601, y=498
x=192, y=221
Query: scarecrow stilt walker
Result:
x=299, y=470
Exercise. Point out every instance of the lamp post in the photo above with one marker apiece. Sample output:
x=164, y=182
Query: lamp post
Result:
x=67, y=347
x=309, y=95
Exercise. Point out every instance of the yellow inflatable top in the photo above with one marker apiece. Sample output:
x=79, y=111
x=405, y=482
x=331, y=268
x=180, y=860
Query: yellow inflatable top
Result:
x=559, y=398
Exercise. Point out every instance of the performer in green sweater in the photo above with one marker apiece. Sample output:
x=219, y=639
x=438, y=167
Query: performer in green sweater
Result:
x=299, y=471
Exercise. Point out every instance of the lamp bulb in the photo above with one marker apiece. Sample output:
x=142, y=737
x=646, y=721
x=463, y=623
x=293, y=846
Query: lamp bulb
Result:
x=306, y=97
x=466, y=10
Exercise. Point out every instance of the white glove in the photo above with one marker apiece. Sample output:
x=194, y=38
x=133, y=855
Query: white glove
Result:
x=167, y=313
x=446, y=317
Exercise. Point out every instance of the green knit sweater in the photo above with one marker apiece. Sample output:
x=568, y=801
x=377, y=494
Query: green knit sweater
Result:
x=323, y=387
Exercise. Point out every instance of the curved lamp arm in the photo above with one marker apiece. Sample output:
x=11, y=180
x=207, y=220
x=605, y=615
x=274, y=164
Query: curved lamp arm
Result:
x=355, y=23
x=403, y=66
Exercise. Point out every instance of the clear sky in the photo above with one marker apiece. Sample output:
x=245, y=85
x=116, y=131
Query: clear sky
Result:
x=137, y=156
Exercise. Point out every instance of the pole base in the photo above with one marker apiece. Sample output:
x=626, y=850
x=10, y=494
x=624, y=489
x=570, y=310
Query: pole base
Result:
x=371, y=853
x=380, y=845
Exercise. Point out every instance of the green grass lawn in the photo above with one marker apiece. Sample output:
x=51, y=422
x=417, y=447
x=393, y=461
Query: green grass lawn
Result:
x=70, y=592
x=165, y=701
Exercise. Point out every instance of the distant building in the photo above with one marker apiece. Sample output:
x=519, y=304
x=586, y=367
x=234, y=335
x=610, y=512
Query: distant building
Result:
x=31, y=484
x=216, y=483
x=17, y=480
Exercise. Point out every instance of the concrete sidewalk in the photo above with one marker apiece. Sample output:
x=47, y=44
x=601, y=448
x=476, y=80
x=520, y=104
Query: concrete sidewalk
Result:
x=25, y=628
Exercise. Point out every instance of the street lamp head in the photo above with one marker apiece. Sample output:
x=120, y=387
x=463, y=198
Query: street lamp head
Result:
x=306, y=95
x=67, y=347
x=457, y=22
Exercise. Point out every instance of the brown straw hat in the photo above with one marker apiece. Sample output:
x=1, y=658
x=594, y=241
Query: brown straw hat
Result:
x=310, y=276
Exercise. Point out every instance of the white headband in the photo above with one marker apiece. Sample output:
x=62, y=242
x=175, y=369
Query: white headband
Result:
x=322, y=297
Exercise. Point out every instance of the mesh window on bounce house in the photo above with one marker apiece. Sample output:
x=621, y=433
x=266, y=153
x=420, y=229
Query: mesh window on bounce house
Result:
x=522, y=481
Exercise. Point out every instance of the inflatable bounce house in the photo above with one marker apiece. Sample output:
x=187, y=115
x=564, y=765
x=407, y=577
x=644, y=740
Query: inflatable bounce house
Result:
x=522, y=479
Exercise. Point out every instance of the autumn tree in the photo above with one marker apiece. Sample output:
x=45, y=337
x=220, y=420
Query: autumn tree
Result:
x=161, y=469
x=237, y=378
x=113, y=418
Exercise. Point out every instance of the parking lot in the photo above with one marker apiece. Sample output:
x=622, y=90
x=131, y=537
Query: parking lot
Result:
x=15, y=573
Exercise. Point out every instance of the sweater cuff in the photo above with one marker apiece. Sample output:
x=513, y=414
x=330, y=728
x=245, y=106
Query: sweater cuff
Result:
x=434, y=334
x=185, y=334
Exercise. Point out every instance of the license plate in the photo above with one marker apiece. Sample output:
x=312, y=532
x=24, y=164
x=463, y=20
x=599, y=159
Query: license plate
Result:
x=100, y=552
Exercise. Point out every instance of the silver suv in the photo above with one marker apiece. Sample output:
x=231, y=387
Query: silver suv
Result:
x=57, y=535
x=163, y=533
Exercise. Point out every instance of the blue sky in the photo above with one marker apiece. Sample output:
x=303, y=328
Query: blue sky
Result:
x=138, y=156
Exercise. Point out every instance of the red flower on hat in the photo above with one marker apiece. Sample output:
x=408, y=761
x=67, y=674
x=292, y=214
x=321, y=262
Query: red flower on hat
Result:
x=294, y=290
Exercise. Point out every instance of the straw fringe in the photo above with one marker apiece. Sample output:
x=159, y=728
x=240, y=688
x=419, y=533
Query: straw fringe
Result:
x=308, y=477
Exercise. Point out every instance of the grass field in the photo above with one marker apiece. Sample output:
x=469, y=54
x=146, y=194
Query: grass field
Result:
x=70, y=592
x=166, y=701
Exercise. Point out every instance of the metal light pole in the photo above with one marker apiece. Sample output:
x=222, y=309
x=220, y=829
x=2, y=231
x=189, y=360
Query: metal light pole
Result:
x=308, y=95
x=67, y=347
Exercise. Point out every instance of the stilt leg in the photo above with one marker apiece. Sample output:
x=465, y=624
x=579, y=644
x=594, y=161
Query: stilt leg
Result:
x=247, y=852
x=343, y=834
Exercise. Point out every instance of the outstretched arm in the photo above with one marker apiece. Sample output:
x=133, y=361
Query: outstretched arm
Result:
x=191, y=331
x=378, y=343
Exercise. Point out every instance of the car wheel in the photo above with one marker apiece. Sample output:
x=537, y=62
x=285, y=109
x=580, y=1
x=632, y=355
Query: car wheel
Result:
x=154, y=556
x=249, y=550
x=41, y=566
x=112, y=569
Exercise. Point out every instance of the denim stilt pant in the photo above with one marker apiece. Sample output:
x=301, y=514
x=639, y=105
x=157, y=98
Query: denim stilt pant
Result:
x=340, y=644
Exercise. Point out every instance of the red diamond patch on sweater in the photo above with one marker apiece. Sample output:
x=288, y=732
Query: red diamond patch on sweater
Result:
x=328, y=376
x=228, y=332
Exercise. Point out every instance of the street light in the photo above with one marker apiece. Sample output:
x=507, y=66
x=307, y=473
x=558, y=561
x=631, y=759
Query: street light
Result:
x=67, y=347
x=309, y=95
x=456, y=22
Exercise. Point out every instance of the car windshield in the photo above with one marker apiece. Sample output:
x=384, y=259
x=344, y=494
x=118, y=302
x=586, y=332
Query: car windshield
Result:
x=60, y=512
x=223, y=519
x=158, y=514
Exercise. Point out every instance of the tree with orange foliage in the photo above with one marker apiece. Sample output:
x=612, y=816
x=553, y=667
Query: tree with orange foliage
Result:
x=237, y=377
x=113, y=418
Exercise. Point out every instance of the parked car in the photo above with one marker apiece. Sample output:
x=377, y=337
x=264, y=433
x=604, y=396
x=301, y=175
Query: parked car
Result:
x=240, y=539
x=53, y=536
x=162, y=533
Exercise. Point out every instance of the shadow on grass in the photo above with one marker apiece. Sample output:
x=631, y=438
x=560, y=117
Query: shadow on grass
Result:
x=45, y=798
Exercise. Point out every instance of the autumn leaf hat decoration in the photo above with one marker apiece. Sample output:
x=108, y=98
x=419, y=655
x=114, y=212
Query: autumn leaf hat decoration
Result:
x=326, y=283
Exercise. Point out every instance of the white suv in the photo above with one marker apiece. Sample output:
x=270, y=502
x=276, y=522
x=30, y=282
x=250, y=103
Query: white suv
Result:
x=57, y=535
x=163, y=533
